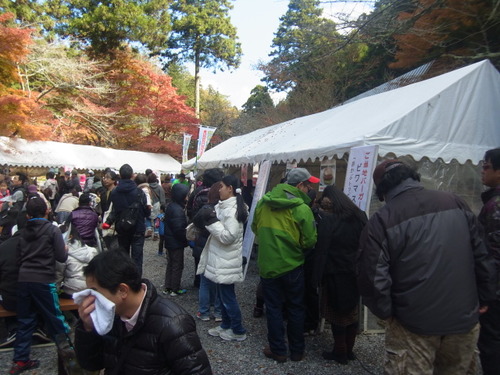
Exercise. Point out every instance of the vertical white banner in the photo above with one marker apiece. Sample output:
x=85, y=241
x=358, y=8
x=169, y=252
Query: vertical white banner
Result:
x=260, y=189
x=185, y=147
x=204, y=136
x=358, y=180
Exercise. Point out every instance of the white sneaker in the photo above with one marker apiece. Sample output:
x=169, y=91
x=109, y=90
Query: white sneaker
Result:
x=204, y=318
x=216, y=332
x=229, y=335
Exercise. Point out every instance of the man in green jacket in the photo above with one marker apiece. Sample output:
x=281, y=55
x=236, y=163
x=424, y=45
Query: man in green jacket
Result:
x=284, y=225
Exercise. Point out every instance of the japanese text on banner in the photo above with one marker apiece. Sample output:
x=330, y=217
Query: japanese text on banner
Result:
x=358, y=183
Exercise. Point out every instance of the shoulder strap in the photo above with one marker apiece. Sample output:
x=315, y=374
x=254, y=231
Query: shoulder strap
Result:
x=154, y=192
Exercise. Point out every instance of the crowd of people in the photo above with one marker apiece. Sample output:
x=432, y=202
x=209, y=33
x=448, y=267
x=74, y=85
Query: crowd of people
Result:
x=423, y=263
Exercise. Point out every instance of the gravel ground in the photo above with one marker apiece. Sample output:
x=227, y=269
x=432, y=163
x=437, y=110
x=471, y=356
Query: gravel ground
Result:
x=244, y=358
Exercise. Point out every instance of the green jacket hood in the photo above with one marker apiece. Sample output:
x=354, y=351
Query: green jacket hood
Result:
x=285, y=196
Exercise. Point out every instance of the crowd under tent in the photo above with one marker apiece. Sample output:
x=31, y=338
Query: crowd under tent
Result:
x=444, y=124
x=36, y=157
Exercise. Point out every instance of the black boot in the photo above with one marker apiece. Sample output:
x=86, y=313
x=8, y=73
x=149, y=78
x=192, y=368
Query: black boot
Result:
x=66, y=355
x=350, y=338
x=339, y=353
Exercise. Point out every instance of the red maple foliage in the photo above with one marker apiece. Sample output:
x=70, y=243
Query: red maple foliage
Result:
x=151, y=116
x=19, y=113
x=124, y=103
x=454, y=29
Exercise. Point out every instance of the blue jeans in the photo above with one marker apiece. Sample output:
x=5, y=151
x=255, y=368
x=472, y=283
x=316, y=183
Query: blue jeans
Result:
x=62, y=217
x=150, y=224
x=286, y=291
x=207, y=297
x=231, y=314
x=133, y=246
x=33, y=298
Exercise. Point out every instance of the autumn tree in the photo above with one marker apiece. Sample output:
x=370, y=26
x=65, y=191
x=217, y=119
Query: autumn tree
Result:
x=18, y=112
x=149, y=113
x=202, y=33
x=73, y=88
x=460, y=31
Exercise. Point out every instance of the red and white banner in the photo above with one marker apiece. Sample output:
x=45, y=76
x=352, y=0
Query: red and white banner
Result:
x=204, y=137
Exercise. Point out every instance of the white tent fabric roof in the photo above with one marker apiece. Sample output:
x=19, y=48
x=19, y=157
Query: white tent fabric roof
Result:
x=452, y=116
x=20, y=152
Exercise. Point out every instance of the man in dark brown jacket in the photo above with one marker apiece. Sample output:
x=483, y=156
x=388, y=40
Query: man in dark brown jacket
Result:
x=423, y=267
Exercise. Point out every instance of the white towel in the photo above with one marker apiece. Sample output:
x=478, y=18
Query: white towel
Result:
x=104, y=312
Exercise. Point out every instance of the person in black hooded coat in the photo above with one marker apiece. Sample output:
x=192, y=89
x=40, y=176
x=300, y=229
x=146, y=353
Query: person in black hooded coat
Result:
x=340, y=223
x=175, y=239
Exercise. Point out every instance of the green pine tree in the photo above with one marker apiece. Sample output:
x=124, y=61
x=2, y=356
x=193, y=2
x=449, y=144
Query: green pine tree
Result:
x=202, y=33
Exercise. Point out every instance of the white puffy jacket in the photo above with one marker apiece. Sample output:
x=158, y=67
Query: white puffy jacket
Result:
x=221, y=259
x=79, y=255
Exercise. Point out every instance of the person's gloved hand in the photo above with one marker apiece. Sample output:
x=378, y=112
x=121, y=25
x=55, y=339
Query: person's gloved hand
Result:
x=105, y=226
x=212, y=219
x=208, y=215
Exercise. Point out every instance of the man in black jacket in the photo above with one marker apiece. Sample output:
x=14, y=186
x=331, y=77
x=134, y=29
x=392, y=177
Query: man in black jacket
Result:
x=150, y=335
x=126, y=192
x=423, y=267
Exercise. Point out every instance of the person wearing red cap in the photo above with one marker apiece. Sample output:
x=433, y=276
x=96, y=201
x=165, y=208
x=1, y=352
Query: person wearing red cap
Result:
x=285, y=227
x=424, y=269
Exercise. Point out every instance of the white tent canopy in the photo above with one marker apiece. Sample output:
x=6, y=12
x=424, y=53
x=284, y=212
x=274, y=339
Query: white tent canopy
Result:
x=452, y=116
x=20, y=152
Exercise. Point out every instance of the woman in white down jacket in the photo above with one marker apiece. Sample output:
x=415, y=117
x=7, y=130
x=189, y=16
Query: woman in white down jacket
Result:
x=71, y=272
x=221, y=259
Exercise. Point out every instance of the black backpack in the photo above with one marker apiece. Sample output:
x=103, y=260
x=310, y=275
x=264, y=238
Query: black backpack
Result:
x=127, y=219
